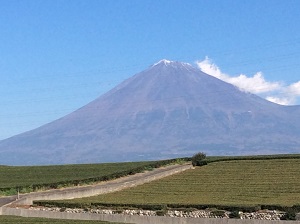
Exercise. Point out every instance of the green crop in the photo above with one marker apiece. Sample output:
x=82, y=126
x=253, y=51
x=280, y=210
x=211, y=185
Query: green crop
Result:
x=230, y=183
x=22, y=220
x=32, y=178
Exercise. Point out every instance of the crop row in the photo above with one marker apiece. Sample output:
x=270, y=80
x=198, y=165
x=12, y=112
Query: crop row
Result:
x=212, y=159
x=238, y=183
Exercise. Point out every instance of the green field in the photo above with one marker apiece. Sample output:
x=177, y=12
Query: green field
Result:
x=22, y=220
x=237, y=182
x=30, y=178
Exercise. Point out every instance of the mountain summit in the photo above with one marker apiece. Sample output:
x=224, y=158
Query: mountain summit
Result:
x=171, y=109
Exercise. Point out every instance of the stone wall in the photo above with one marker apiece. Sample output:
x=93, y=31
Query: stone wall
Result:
x=134, y=218
x=262, y=215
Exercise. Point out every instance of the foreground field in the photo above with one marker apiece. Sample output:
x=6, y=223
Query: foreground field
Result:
x=30, y=178
x=22, y=220
x=240, y=182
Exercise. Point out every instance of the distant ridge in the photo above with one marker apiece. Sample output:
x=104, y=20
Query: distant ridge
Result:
x=171, y=109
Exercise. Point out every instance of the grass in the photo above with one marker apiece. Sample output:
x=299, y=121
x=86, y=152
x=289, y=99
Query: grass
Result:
x=237, y=182
x=27, y=178
x=22, y=220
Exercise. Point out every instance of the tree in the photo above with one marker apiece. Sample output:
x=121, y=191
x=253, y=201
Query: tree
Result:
x=198, y=159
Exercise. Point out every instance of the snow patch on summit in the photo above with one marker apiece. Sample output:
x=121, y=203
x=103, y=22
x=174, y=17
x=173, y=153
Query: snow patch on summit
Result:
x=163, y=61
x=172, y=63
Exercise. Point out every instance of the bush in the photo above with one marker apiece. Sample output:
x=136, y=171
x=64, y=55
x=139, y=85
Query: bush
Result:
x=289, y=215
x=201, y=163
x=197, y=159
x=234, y=215
x=296, y=207
x=163, y=211
x=62, y=209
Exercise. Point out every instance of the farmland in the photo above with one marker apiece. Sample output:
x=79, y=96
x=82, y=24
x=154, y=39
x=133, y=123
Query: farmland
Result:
x=22, y=220
x=30, y=178
x=230, y=183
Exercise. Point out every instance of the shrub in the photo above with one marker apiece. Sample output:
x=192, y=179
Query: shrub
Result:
x=197, y=159
x=62, y=209
x=235, y=215
x=296, y=207
x=289, y=215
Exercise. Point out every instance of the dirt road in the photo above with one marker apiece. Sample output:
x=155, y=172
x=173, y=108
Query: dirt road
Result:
x=7, y=200
x=101, y=188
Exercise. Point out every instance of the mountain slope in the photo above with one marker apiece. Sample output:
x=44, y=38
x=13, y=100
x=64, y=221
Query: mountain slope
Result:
x=171, y=109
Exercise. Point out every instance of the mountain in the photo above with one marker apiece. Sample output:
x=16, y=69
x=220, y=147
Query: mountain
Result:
x=171, y=109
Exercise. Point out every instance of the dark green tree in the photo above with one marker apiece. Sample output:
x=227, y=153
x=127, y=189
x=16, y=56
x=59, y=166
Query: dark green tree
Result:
x=198, y=159
x=289, y=215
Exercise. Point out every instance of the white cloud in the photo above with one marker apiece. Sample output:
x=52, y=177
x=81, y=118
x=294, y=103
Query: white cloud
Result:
x=282, y=101
x=276, y=92
x=294, y=88
x=254, y=84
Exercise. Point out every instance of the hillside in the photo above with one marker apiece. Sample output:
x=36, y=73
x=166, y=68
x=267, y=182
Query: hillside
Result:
x=224, y=183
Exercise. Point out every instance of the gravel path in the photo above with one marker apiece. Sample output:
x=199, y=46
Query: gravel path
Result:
x=7, y=200
x=100, y=188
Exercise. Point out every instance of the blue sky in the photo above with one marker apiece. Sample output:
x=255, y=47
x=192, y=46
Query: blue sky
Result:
x=58, y=55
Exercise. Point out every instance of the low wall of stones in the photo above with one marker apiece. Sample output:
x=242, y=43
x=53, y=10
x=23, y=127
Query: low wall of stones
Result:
x=261, y=215
x=132, y=218
x=80, y=192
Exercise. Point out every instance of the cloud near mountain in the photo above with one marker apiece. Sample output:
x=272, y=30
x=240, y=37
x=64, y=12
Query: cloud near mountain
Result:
x=276, y=92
